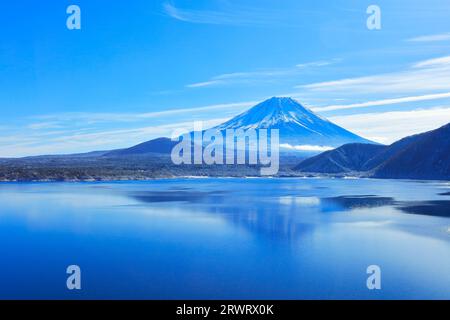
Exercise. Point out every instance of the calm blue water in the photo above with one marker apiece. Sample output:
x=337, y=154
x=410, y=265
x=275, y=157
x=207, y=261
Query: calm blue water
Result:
x=226, y=238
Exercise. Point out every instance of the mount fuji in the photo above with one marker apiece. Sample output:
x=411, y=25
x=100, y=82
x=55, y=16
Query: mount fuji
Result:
x=297, y=124
x=300, y=129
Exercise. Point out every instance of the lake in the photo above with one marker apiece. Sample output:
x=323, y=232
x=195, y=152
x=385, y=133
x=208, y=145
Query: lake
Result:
x=226, y=239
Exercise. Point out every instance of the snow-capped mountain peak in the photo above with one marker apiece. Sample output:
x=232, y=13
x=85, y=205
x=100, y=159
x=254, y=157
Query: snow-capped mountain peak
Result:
x=297, y=124
x=272, y=112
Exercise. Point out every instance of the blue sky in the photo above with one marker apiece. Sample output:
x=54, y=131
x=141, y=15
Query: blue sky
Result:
x=139, y=69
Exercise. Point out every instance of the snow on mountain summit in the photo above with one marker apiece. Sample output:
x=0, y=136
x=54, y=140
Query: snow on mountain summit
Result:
x=272, y=112
x=297, y=124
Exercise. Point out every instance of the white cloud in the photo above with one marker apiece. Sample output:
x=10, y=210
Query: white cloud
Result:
x=436, y=63
x=384, y=102
x=241, y=78
x=322, y=63
x=84, y=141
x=204, y=84
x=44, y=125
x=423, y=77
x=305, y=147
x=98, y=117
x=226, y=15
x=431, y=38
x=387, y=127
x=261, y=76
x=87, y=131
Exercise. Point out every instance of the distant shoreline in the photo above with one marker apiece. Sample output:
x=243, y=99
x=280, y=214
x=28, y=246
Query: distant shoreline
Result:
x=307, y=177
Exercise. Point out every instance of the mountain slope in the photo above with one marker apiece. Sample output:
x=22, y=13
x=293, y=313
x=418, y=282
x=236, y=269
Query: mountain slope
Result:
x=160, y=145
x=298, y=125
x=422, y=156
x=348, y=158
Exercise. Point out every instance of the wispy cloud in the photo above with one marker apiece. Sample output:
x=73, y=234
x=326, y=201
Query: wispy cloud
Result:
x=93, y=117
x=29, y=144
x=261, y=76
x=387, y=127
x=44, y=125
x=242, y=77
x=431, y=38
x=227, y=15
x=204, y=84
x=235, y=13
x=87, y=131
x=322, y=63
x=425, y=76
x=305, y=147
x=384, y=102
x=434, y=63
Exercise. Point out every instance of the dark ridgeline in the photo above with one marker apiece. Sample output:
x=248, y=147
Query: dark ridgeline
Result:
x=159, y=146
x=352, y=157
x=422, y=156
